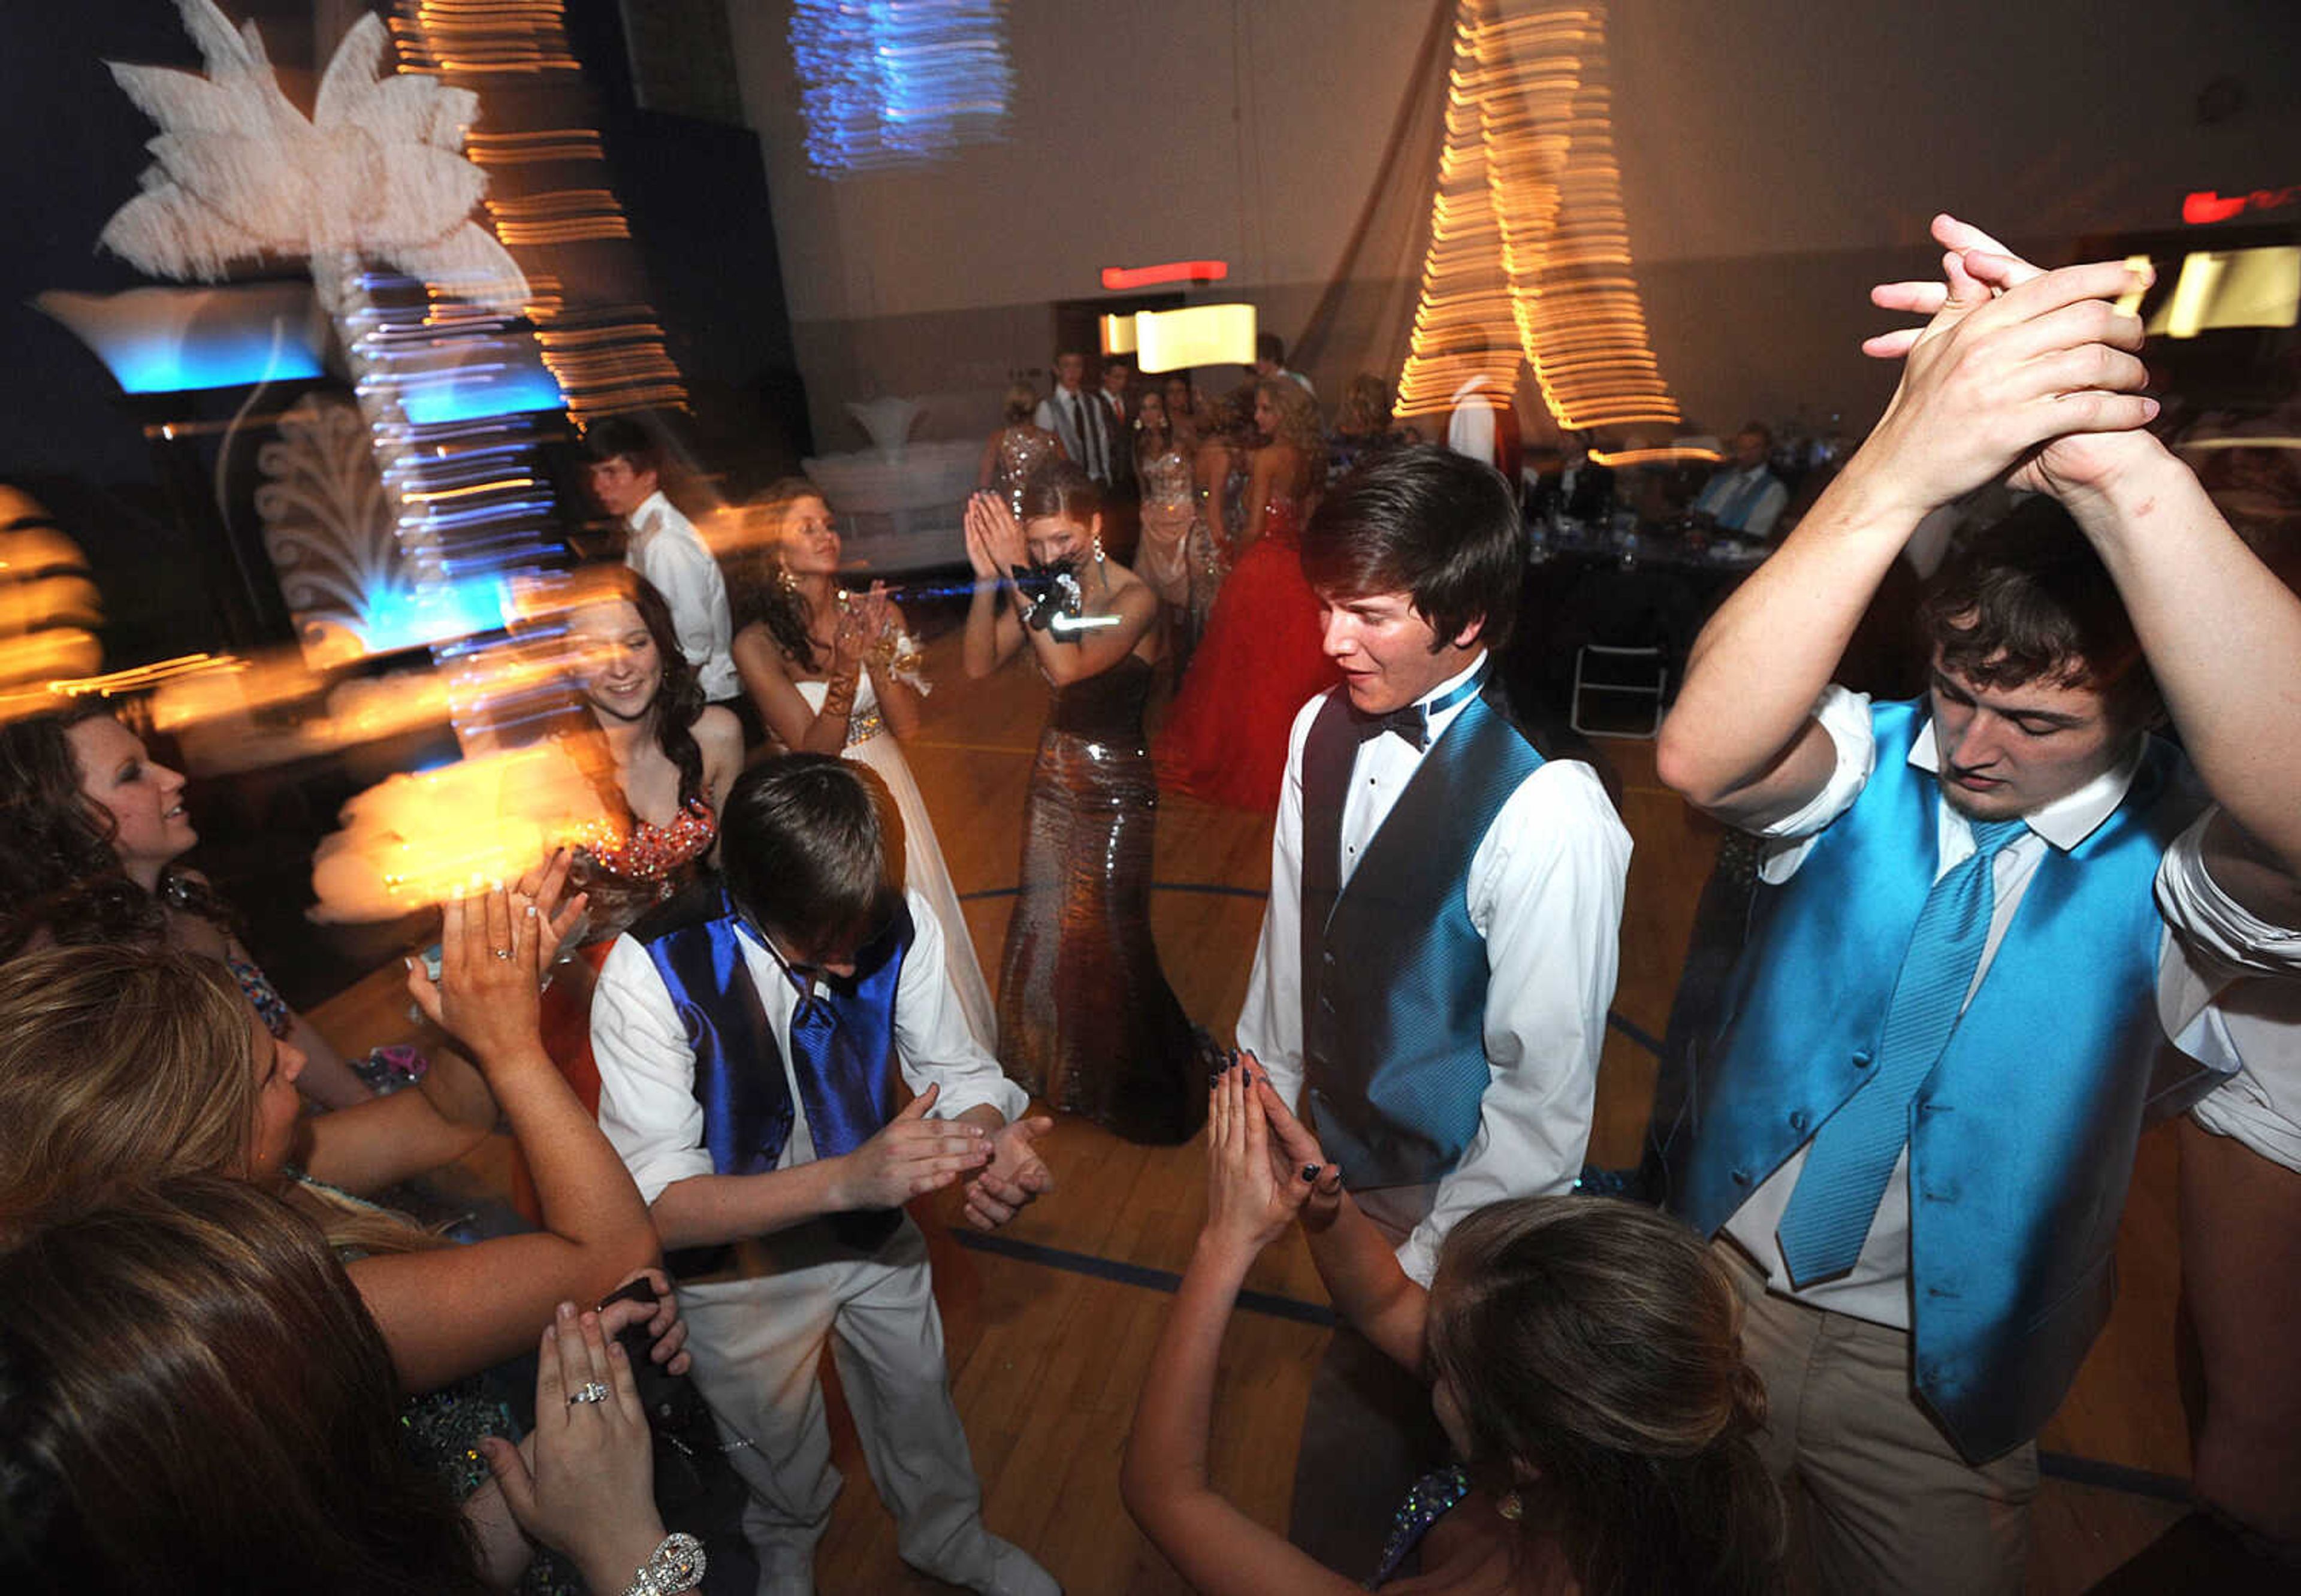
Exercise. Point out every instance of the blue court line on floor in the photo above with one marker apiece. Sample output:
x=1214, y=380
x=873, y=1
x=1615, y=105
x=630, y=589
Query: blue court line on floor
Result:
x=1649, y=1043
x=1211, y=889
x=2059, y=1465
x=1137, y=1275
x=2113, y=1476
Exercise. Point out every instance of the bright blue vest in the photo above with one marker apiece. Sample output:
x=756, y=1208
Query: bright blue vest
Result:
x=1394, y=972
x=2021, y=1140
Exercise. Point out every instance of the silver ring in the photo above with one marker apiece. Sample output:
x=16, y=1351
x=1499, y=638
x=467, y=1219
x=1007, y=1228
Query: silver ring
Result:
x=592, y=1390
x=502, y=953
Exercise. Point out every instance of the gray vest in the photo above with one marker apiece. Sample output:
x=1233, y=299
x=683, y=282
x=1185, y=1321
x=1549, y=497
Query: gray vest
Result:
x=1394, y=972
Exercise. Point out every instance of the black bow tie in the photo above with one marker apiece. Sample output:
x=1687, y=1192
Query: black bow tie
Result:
x=1408, y=722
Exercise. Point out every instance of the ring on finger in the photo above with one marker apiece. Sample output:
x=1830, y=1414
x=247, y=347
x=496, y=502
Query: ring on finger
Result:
x=591, y=1391
x=502, y=953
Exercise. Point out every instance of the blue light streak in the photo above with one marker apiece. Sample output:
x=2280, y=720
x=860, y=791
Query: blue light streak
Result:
x=892, y=83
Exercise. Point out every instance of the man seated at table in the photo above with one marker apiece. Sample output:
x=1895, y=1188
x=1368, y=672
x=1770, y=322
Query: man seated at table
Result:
x=1744, y=494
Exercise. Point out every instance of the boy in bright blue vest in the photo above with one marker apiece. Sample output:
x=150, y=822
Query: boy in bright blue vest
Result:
x=750, y=1041
x=1913, y=1128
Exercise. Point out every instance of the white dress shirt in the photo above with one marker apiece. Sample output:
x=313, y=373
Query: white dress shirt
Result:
x=1545, y=890
x=646, y=1066
x=664, y=546
x=1877, y=1287
x=1471, y=431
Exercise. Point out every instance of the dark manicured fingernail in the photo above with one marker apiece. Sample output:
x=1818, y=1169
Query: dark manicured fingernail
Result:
x=1309, y=1172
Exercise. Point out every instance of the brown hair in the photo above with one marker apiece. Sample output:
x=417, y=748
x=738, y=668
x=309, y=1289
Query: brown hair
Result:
x=756, y=588
x=1428, y=522
x=2030, y=601
x=1298, y=422
x=1020, y=404
x=813, y=849
x=1594, y=1347
x=184, y=1368
x=54, y=839
x=1060, y=488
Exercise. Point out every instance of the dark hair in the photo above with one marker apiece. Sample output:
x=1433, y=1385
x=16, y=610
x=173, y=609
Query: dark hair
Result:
x=812, y=847
x=1020, y=404
x=1061, y=487
x=755, y=589
x=1593, y=1350
x=1270, y=347
x=1429, y=523
x=2030, y=601
x=1764, y=431
x=678, y=701
x=620, y=438
x=184, y=1370
x=54, y=839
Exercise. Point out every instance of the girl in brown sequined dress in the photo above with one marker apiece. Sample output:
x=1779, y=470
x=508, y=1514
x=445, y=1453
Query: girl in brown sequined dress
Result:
x=1086, y=1019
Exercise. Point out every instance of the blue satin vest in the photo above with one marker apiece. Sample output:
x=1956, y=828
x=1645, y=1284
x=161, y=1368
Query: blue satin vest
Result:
x=1394, y=972
x=2023, y=1138
x=739, y=1079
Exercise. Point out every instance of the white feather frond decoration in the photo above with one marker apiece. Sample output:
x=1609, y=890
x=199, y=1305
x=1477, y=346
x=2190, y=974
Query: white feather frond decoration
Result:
x=239, y=173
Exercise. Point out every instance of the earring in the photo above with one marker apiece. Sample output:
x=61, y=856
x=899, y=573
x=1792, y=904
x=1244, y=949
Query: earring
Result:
x=1096, y=544
x=1511, y=1508
x=785, y=580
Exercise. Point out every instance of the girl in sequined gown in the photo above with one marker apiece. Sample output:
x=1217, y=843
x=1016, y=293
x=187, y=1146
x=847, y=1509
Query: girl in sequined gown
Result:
x=1086, y=1019
x=1584, y=1359
x=1019, y=448
x=1261, y=659
x=1178, y=556
x=832, y=672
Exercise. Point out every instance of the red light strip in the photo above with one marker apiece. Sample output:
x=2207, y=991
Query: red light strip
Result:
x=1116, y=278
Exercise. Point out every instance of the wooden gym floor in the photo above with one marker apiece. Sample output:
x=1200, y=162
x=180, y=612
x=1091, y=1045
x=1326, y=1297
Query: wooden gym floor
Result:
x=1050, y=1323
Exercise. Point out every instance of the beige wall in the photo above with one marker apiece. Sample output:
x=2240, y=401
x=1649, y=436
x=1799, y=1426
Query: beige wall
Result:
x=1778, y=155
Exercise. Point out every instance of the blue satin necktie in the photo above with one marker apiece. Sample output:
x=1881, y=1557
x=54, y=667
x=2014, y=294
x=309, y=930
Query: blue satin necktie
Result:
x=1854, y=1153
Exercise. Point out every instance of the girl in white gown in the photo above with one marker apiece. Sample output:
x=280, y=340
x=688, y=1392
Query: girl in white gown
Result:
x=831, y=672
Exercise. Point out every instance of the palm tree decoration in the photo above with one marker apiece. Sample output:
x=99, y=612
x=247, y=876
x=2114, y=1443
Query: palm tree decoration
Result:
x=376, y=171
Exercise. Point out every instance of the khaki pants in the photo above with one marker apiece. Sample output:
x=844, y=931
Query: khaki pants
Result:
x=1888, y=1505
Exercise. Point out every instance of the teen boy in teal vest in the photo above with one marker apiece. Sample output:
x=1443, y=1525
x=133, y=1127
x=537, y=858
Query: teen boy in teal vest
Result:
x=1440, y=945
x=1915, y=1124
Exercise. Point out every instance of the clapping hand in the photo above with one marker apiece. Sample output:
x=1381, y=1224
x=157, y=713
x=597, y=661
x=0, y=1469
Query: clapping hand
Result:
x=995, y=542
x=487, y=995
x=589, y=1492
x=1252, y=1199
x=1015, y=1177
x=1294, y=1151
x=910, y=1157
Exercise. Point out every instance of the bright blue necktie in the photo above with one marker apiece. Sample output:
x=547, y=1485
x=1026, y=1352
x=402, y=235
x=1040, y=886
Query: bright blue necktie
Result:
x=1854, y=1153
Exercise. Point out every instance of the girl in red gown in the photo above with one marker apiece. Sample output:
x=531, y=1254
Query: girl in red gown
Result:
x=1261, y=660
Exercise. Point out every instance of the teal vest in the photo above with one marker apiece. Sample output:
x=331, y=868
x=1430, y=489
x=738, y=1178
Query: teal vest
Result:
x=2021, y=1140
x=1394, y=972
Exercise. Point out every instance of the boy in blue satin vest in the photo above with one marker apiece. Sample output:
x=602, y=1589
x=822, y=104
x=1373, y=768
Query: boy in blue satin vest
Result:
x=748, y=1042
x=1441, y=942
x=1913, y=1128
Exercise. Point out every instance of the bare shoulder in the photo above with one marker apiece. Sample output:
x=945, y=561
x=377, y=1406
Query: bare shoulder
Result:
x=718, y=733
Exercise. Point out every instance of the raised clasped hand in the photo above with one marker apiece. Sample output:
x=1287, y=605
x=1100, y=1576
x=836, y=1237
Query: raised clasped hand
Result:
x=667, y=1330
x=1295, y=1154
x=2017, y=367
x=1015, y=1177
x=911, y=1155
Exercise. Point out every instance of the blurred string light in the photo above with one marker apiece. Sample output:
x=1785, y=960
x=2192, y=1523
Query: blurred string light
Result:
x=891, y=83
x=1529, y=244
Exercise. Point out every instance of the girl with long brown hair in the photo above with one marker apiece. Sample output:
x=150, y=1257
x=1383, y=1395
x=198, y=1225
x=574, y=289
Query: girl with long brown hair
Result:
x=1585, y=1363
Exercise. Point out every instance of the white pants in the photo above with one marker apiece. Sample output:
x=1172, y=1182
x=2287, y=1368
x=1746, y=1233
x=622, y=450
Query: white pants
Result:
x=757, y=1342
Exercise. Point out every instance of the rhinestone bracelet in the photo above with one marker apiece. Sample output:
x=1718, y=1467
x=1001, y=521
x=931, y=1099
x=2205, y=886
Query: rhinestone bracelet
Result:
x=676, y=1565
